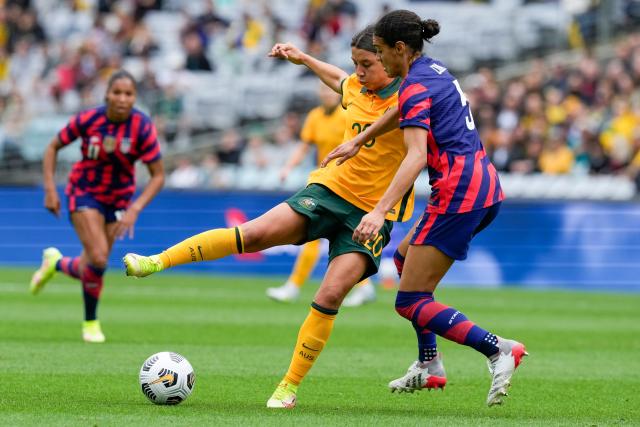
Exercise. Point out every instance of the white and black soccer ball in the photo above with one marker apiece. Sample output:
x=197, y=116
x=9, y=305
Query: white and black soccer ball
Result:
x=167, y=378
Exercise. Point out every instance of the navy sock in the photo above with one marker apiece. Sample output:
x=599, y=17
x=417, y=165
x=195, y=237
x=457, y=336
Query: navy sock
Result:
x=91, y=289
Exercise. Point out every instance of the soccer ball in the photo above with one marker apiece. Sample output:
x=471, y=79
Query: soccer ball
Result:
x=167, y=378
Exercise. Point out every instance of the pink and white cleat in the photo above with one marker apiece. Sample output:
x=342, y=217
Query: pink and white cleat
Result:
x=429, y=375
x=502, y=366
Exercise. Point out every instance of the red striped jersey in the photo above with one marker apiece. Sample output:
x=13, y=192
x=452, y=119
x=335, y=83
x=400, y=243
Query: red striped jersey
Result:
x=461, y=176
x=109, y=151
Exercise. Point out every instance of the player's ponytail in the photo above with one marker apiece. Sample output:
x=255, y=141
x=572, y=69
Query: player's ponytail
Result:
x=430, y=28
x=407, y=27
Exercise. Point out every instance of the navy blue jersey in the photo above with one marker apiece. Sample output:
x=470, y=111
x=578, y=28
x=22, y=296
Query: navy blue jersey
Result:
x=109, y=151
x=461, y=176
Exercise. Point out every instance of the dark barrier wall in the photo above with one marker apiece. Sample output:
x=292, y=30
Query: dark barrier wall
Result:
x=585, y=245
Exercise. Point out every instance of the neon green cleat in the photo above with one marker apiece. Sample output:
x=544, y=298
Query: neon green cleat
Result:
x=50, y=258
x=91, y=331
x=141, y=266
x=284, y=396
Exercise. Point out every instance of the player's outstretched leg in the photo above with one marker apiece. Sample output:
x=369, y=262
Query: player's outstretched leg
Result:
x=210, y=245
x=421, y=375
x=280, y=225
x=502, y=365
x=50, y=258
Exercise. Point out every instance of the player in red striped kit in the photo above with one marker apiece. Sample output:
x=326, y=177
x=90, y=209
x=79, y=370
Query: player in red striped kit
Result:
x=440, y=134
x=100, y=189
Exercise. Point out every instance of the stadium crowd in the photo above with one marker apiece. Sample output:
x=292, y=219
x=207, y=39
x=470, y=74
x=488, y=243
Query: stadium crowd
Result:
x=580, y=117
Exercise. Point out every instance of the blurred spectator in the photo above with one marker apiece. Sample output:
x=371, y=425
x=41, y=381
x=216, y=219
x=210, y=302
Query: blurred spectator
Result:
x=245, y=33
x=230, y=147
x=185, y=175
x=556, y=157
x=168, y=113
x=634, y=167
x=196, y=59
x=210, y=172
x=257, y=154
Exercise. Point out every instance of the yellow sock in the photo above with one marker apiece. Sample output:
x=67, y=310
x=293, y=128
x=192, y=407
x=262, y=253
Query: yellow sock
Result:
x=365, y=282
x=307, y=260
x=312, y=337
x=207, y=246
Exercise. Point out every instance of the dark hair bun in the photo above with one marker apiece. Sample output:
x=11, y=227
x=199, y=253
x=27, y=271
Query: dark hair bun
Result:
x=430, y=28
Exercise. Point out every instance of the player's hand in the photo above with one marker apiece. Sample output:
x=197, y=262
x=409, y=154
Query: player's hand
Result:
x=52, y=202
x=342, y=152
x=369, y=226
x=287, y=51
x=125, y=225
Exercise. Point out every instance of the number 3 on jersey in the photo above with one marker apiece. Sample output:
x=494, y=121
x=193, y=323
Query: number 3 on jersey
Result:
x=463, y=100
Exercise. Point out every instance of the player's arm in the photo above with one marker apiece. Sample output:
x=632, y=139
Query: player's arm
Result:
x=415, y=138
x=386, y=123
x=153, y=187
x=49, y=160
x=331, y=75
x=294, y=160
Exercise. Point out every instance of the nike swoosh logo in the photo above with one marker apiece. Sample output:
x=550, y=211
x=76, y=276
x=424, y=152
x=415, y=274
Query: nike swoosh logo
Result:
x=309, y=348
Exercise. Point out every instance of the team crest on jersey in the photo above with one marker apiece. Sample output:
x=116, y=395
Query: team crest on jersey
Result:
x=93, y=149
x=125, y=145
x=308, y=203
x=438, y=68
x=109, y=144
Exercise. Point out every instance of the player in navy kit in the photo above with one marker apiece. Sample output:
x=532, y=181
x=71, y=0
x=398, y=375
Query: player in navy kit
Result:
x=101, y=185
x=440, y=134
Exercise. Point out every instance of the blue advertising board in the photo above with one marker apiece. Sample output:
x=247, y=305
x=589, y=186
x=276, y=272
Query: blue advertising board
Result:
x=586, y=245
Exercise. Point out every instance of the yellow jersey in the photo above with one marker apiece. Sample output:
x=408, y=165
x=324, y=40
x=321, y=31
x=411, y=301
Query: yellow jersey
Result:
x=363, y=179
x=323, y=130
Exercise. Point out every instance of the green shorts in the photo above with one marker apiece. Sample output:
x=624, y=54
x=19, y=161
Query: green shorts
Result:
x=333, y=218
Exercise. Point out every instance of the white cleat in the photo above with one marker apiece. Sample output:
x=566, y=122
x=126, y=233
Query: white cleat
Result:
x=288, y=292
x=429, y=375
x=360, y=295
x=502, y=366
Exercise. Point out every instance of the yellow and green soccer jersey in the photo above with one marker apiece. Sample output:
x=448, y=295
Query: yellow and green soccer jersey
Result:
x=323, y=130
x=364, y=178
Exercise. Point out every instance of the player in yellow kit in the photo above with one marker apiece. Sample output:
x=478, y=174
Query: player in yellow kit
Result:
x=324, y=129
x=331, y=206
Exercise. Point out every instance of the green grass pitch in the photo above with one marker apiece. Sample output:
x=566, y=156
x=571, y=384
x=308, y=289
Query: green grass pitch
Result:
x=584, y=366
